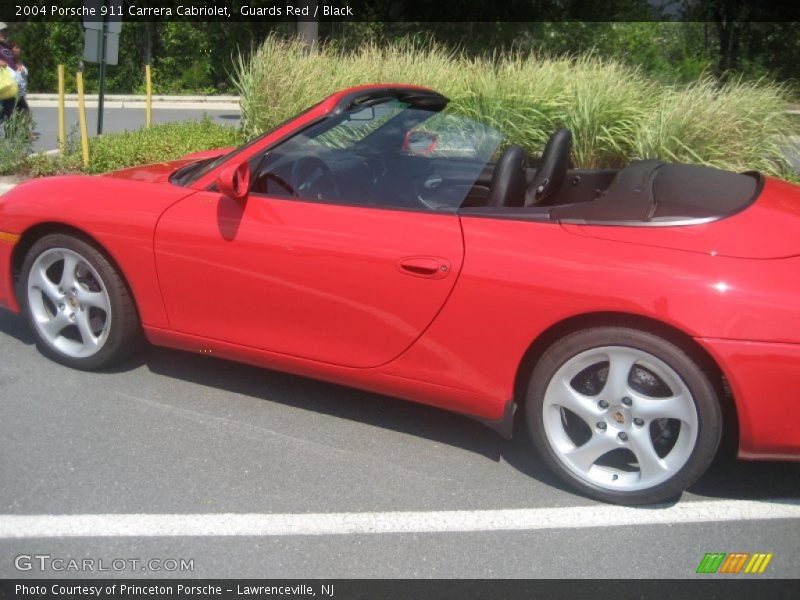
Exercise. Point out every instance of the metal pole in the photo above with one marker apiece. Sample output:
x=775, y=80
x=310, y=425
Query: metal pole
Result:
x=62, y=130
x=82, y=120
x=148, y=87
x=102, y=75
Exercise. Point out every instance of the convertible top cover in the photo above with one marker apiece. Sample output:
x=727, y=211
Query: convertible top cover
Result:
x=655, y=191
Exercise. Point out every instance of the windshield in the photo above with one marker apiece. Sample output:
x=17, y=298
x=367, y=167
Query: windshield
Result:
x=192, y=172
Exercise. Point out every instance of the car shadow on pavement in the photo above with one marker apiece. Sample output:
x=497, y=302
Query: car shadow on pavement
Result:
x=727, y=478
x=16, y=327
x=356, y=405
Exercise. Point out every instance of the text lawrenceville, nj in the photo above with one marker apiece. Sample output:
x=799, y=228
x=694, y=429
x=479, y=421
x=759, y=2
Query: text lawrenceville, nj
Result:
x=165, y=590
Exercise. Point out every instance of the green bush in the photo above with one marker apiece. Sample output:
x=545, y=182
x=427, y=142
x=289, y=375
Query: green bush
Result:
x=162, y=142
x=615, y=112
x=45, y=165
x=15, y=143
x=112, y=151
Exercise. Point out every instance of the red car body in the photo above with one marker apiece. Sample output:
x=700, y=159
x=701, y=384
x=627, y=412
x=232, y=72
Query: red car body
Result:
x=443, y=309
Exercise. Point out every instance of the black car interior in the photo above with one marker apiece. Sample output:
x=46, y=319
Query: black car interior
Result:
x=379, y=170
x=644, y=192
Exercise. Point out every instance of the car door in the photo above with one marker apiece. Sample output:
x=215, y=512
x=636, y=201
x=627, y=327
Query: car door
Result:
x=346, y=285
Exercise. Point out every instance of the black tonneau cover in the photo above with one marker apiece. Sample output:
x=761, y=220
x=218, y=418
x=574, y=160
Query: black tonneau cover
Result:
x=655, y=191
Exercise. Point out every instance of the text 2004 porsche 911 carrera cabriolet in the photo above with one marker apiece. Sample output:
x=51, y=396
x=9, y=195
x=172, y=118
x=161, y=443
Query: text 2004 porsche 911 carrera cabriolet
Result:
x=379, y=241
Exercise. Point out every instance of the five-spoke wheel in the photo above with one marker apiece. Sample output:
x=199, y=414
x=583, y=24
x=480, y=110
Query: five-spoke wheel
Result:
x=79, y=307
x=69, y=303
x=623, y=415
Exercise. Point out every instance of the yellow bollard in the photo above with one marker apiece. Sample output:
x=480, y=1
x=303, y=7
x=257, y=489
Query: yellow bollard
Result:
x=82, y=120
x=148, y=113
x=62, y=129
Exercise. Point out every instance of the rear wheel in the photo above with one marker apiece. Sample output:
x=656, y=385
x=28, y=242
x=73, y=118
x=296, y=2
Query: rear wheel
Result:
x=77, y=304
x=623, y=415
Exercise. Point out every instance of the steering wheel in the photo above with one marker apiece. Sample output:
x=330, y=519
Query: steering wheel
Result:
x=311, y=178
x=281, y=182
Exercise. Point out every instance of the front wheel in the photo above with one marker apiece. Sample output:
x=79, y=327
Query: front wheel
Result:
x=79, y=308
x=623, y=415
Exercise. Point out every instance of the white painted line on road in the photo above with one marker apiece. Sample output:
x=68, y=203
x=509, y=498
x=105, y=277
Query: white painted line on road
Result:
x=263, y=524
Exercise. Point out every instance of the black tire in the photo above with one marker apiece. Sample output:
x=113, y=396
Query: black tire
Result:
x=124, y=336
x=690, y=371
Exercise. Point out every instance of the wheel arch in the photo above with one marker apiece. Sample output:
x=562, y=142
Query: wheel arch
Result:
x=36, y=232
x=680, y=338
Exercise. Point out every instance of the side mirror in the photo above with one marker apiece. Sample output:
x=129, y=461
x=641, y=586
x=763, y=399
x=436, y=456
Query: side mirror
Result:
x=420, y=142
x=234, y=180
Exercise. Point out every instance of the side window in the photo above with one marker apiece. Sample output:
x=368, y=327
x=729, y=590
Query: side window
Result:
x=383, y=155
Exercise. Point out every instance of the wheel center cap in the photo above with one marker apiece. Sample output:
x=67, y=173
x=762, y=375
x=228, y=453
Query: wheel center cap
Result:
x=72, y=302
x=618, y=417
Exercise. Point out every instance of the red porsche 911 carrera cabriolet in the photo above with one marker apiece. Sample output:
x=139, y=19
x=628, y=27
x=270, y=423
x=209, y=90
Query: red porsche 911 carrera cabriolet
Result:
x=378, y=240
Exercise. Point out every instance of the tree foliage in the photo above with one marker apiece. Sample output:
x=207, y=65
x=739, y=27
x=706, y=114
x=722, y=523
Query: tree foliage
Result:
x=198, y=56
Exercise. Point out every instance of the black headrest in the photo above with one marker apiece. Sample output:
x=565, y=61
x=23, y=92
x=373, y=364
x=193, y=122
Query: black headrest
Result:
x=552, y=169
x=508, y=180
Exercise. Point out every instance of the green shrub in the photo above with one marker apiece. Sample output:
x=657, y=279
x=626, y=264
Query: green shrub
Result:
x=15, y=143
x=112, y=151
x=162, y=142
x=45, y=165
x=615, y=112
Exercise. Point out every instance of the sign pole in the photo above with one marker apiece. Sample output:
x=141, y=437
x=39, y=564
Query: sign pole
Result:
x=148, y=86
x=82, y=120
x=62, y=130
x=101, y=43
x=103, y=36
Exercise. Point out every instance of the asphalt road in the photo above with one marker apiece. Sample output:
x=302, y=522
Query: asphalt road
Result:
x=171, y=433
x=114, y=119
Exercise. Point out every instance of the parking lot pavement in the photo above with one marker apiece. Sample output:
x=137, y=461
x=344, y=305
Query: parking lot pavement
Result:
x=188, y=438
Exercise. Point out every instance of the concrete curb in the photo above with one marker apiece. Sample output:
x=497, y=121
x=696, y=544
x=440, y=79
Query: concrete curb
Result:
x=222, y=98
x=139, y=105
x=221, y=102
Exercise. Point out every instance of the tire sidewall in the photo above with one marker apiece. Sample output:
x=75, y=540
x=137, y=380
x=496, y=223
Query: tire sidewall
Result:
x=685, y=366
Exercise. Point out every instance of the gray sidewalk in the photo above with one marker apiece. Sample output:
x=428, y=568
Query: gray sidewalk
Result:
x=195, y=102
